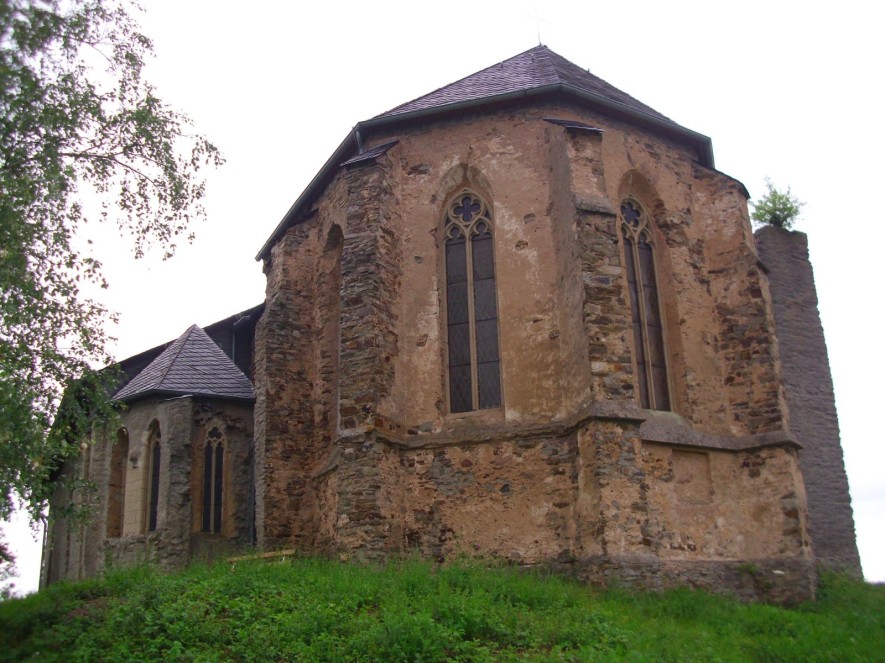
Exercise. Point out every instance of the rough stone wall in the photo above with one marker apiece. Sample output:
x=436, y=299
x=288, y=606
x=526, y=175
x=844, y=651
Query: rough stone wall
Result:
x=370, y=291
x=606, y=311
x=80, y=549
x=370, y=287
x=599, y=502
x=744, y=337
x=569, y=469
x=508, y=498
x=284, y=375
x=809, y=393
x=555, y=196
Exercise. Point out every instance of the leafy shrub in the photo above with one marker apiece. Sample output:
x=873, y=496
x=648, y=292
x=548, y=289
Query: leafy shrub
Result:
x=776, y=208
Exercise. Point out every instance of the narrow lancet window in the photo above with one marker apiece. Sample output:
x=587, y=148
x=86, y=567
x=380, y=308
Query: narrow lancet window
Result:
x=153, y=478
x=213, y=481
x=648, y=329
x=117, y=484
x=471, y=306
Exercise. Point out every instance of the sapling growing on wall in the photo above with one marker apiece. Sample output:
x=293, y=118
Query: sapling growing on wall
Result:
x=777, y=208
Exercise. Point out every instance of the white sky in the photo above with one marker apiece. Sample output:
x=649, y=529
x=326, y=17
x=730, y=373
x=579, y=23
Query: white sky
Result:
x=786, y=90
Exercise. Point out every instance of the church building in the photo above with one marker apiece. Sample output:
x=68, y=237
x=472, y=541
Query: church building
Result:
x=523, y=317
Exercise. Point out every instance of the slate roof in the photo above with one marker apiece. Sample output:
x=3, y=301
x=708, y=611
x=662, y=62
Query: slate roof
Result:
x=538, y=73
x=574, y=125
x=192, y=366
x=537, y=67
x=370, y=155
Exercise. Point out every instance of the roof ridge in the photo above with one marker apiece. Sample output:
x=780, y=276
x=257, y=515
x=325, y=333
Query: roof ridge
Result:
x=183, y=338
x=464, y=78
x=545, y=52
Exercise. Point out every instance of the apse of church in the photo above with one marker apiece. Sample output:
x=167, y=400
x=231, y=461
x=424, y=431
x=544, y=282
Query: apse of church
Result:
x=525, y=317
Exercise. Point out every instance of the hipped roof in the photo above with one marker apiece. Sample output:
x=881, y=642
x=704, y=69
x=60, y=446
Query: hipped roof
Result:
x=537, y=67
x=535, y=73
x=192, y=366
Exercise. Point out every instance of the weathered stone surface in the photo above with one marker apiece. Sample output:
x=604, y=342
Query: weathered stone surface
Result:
x=82, y=549
x=551, y=474
x=809, y=389
x=356, y=450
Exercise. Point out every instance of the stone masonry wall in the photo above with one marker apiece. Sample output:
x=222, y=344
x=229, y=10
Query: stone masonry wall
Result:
x=284, y=407
x=561, y=471
x=370, y=292
x=601, y=503
x=809, y=389
x=84, y=549
x=745, y=336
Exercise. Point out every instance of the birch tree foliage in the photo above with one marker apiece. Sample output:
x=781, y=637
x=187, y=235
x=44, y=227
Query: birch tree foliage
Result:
x=78, y=124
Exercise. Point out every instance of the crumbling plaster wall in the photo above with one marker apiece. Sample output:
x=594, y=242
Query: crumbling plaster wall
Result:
x=555, y=473
x=601, y=491
x=555, y=196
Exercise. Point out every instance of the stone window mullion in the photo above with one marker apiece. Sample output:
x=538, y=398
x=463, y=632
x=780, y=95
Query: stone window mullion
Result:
x=473, y=374
x=471, y=316
x=649, y=336
x=643, y=312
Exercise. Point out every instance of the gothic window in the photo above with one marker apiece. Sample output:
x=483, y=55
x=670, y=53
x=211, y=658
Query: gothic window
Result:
x=117, y=484
x=213, y=481
x=153, y=477
x=648, y=329
x=474, y=372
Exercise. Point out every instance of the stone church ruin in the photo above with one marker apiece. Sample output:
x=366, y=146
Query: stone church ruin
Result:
x=522, y=316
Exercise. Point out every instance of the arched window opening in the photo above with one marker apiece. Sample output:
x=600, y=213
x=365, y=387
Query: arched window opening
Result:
x=474, y=372
x=648, y=328
x=117, y=484
x=153, y=477
x=213, y=481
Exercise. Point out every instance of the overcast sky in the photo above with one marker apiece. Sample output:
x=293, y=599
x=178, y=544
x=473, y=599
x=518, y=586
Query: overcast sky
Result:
x=786, y=90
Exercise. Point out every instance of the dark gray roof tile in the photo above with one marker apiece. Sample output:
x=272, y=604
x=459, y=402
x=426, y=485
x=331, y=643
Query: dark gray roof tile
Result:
x=538, y=67
x=192, y=366
x=370, y=154
x=573, y=125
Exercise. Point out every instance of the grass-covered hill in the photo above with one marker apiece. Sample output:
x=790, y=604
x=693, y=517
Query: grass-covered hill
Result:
x=313, y=610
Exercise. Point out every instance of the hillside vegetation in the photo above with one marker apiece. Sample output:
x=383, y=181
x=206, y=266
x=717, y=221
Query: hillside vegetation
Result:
x=317, y=610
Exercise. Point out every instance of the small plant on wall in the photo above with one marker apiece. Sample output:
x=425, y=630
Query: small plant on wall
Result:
x=777, y=208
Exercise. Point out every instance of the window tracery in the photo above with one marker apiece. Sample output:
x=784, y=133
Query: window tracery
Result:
x=474, y=373
x=648, y=329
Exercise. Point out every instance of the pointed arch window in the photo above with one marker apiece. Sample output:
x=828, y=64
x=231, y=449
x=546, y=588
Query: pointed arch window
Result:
x=474, y=371
x=153, y=478
x=117, y=484
x=648, y=328
x=213, y=481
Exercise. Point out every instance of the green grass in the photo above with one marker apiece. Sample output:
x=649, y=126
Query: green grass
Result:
x=318, y=610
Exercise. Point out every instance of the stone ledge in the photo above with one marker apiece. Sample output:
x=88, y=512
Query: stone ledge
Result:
x=654, y=426
x=671, y=428
x=595, y=205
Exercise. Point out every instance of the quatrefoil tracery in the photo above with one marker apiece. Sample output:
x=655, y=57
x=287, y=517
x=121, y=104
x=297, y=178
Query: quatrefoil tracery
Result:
x=468, y=215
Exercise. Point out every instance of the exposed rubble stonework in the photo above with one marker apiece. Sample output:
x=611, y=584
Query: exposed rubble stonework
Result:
x=809, y=391
x=600, y=389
